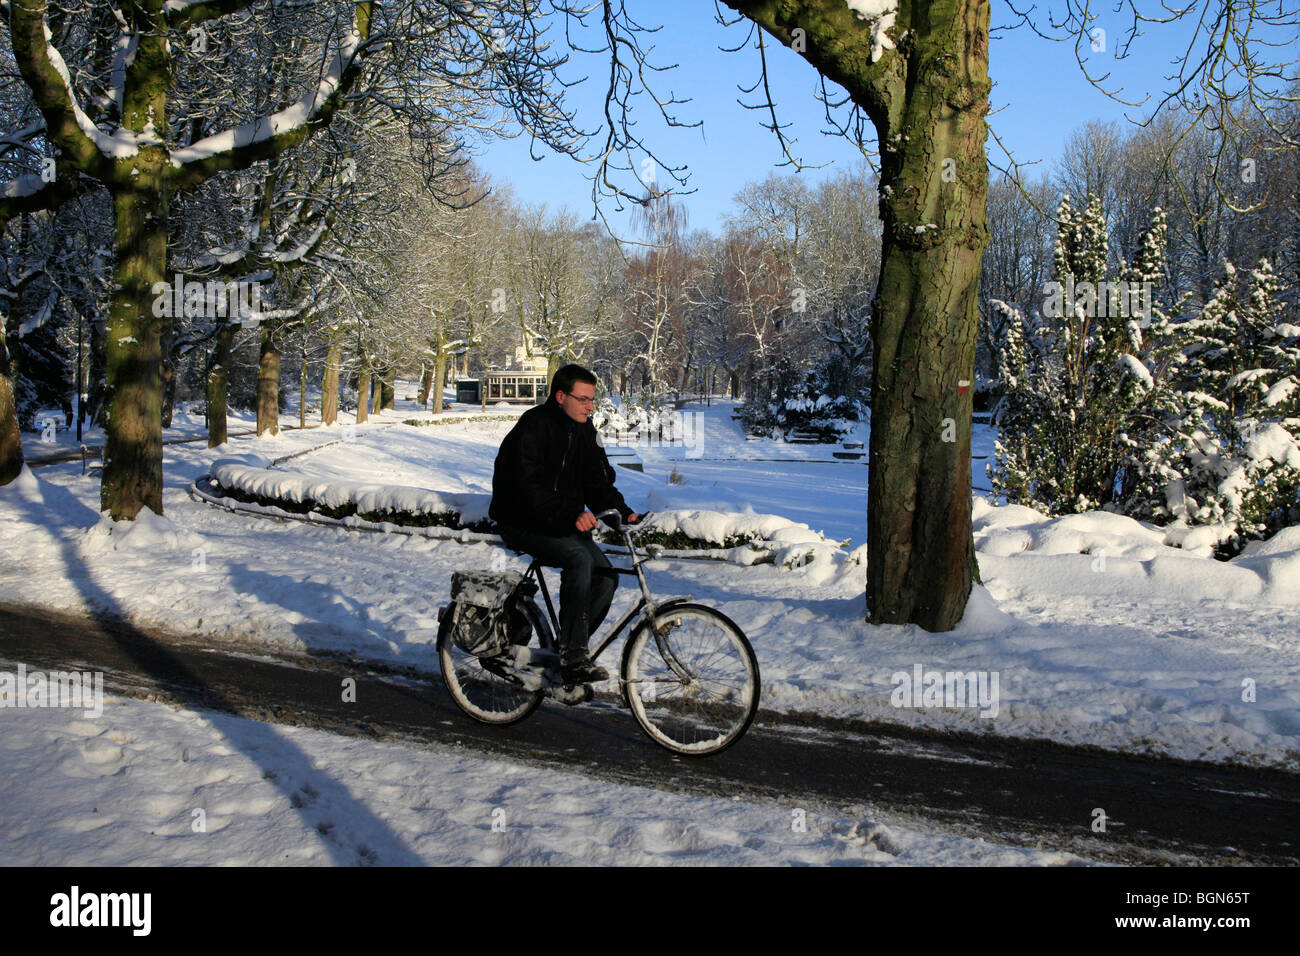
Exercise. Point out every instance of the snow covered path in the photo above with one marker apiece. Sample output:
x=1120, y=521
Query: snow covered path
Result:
x=789, y=773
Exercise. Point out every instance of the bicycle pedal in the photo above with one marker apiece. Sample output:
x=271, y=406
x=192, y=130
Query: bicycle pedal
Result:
x=571, y=694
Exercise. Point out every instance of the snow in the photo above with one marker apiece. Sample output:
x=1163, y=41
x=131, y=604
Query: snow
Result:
x=149, y=532
x=881, y=14
x=152, y=785
x=1101, y=629
x=1273, y=442
x=292, y=117
x=1280, y=392
x=238, y=473
x=1135, y=368
x=28, y=184
x=121, y=144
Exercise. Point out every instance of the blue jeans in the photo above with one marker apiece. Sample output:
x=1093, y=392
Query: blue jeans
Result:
x=586, y=585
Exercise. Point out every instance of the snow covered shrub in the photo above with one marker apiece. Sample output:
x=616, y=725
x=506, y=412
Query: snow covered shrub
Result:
x=758, y=418
x=1085, y=378
x=632, y=421
x=807, y=409
x=1231, y=457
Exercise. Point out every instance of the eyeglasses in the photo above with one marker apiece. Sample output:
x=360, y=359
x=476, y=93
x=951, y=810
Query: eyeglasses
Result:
x=582, y=398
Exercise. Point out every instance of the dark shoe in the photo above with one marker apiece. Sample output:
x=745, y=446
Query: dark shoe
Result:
x=583, y=671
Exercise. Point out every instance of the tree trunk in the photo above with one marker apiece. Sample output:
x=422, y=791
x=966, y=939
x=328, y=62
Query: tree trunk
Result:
x=329, y=388
x=96, y=375
x=733, y=383
x=168, y=373
x=302, y=392
x=388, y=389
x=439, y=372
x=218, y=384
x=268, y=384
x=926, y=94
x=363, y=390
x=921, y=554
x=11, y=439
x=426, y=383
x=132, y=477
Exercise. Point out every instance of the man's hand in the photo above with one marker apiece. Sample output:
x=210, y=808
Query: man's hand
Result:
x=633, y=518
x=586, y=521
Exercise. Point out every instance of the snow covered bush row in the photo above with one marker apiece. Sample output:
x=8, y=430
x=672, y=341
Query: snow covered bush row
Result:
x=748, y=538
x=250, y=479
x=737, y=537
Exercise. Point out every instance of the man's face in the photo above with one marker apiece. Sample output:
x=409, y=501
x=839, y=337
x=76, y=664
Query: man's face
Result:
x=578, y=403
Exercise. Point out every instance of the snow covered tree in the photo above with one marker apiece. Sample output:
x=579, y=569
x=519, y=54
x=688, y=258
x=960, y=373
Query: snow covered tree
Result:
x=108, y=117
x=1088, y=389
x=1232, y=461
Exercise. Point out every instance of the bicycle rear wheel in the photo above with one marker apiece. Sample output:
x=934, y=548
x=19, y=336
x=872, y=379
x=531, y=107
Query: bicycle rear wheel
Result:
x=694, y=688
x=483, y=694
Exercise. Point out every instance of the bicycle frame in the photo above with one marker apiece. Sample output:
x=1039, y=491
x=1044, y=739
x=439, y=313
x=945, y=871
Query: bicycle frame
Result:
x=645, y=608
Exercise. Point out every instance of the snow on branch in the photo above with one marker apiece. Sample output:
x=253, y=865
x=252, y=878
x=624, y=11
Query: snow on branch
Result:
x=185, y=13
x=245, y=144
x=46, y=74
x=881, y=15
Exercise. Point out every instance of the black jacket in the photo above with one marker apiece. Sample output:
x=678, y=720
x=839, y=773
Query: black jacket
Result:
x=548, y=470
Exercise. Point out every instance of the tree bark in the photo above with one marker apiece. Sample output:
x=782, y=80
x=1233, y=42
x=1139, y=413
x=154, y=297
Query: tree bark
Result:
x=921, y=553
x=376, y=391
x=219, y=383
x=302, y=392
x=11, y=439
x=168, y=373
x=439, y=372
x=268, y=384
x=329, y=389
x=132, y=476
x=927, y=100
x=426, y=383
x=363, y=388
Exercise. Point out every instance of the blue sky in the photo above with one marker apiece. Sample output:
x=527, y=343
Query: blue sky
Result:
x=1037, y=81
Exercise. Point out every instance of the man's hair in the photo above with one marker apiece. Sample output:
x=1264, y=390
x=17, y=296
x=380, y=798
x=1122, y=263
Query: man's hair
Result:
x=567, y=375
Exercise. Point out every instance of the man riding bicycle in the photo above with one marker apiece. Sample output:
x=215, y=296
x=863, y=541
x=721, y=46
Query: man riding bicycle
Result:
x=548, y=469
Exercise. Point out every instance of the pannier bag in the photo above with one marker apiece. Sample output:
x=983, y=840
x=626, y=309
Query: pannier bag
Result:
x=487, y=617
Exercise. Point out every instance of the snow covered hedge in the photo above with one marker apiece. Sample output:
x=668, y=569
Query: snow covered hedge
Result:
x=250, y=480
x=738, y=537
x=785, y=542
x=456, y=420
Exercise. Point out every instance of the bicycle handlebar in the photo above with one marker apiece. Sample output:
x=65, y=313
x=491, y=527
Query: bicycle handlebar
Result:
x=617, y=524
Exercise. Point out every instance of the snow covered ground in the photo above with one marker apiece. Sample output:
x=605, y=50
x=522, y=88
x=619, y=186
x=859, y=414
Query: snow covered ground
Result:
x=148, y=784
x=1090, y=629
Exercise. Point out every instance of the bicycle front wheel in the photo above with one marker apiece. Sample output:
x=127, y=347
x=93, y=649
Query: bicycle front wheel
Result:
x=691, y=683
x=490, y=697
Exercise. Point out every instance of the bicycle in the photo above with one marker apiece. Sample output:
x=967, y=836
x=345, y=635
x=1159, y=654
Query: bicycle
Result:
x=688, y=673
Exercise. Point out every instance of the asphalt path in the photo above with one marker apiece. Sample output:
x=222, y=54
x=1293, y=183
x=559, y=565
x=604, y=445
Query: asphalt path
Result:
x=1010, y=791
